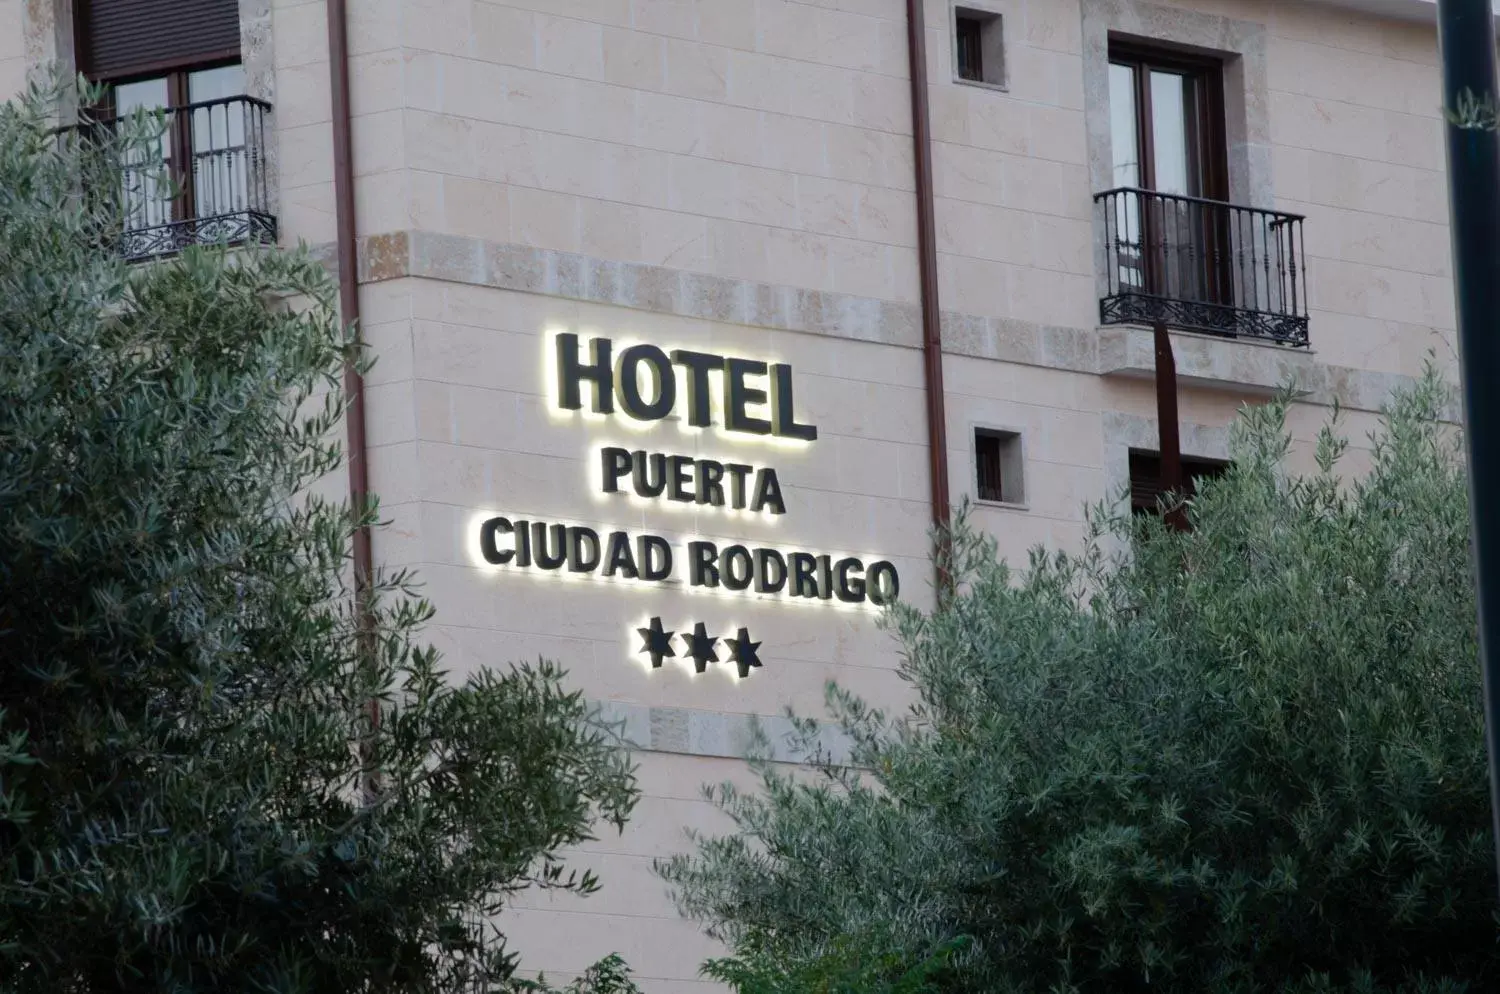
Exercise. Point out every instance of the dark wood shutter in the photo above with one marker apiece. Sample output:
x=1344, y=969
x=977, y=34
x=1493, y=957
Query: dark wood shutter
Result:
x=123, y=37
x=1145, y=481
x=1146, y=489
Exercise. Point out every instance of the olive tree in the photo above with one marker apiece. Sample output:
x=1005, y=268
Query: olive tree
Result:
x=1243, y=758
x=195, y=792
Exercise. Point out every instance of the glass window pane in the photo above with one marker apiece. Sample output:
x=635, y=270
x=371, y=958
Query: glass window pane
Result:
x=1181, y=226
x=218, y=136
x=1125, y=141
x=145, y=94
x=211, y=84
x=1122, y=123
x=144, y=179
x=1169, y=133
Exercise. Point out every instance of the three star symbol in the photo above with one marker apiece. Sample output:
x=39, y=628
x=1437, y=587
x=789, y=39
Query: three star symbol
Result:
x=742, y=651
x=701, y=647
x=656, y=642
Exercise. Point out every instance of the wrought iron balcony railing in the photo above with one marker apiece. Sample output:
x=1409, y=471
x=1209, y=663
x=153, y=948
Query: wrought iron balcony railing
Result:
x=1203, y=265
x=204, y=181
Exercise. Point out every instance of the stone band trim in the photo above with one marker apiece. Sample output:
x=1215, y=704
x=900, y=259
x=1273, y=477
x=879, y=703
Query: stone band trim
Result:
x=1246, y=367
x=652, y=288
x=712, y=734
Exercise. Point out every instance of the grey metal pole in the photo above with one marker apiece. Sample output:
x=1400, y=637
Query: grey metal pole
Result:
x=1466, y=34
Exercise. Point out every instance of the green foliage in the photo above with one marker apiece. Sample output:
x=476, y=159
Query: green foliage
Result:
x=185, y=730
x=847, y=965
x=609, y=976
x=1243, y=759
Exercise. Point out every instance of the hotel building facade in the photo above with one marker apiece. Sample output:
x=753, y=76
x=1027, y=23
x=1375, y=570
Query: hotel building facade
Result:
x=691, y=315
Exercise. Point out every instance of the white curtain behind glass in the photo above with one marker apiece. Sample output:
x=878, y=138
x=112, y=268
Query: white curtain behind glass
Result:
x=147, y=192
x=220, y=170
x=1125, y=142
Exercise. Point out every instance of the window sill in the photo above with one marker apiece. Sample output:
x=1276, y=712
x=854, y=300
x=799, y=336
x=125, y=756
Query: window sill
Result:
x=981, y=84
x=1002, y=505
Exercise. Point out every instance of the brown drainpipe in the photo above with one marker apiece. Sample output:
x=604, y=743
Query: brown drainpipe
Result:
x=348, y=250
x=354, y=383
x=932, y=324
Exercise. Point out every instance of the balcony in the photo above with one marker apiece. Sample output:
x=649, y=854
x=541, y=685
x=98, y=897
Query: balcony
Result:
x=202, y=182
x=1204, y=266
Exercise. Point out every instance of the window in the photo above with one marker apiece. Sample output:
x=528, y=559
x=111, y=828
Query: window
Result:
x=1146, y=490
x=997, y=466
x=1167, y=122
x=202, y=148
x=1167, y=136
x=978, y=52
x=206, y=179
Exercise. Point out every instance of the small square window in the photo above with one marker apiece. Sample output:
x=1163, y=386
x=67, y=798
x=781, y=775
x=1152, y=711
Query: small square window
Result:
x=978, y=52
x=997, y=465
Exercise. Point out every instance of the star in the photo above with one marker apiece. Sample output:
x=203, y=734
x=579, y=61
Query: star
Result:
x=701, y=647
x=742, y=651
x=656, y=642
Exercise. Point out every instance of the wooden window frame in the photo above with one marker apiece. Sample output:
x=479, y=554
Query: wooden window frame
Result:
x=1208, y=130
x=168, y=67
x=1207, y=140
x=179, y=130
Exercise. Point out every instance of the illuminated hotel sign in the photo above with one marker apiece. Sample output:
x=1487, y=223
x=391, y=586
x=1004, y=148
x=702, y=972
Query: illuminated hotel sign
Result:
x=640, y=384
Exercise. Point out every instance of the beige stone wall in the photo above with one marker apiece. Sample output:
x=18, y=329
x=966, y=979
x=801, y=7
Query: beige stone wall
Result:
x=1355, y=116
x=303, y=114
x=757, y=141
x=12, y=47
x=1014, y=203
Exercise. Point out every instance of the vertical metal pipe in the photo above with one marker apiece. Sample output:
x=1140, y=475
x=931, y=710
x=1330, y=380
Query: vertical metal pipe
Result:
x=348, y=248
x=932, y=326
x=354, y=383
x=1466, y=35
